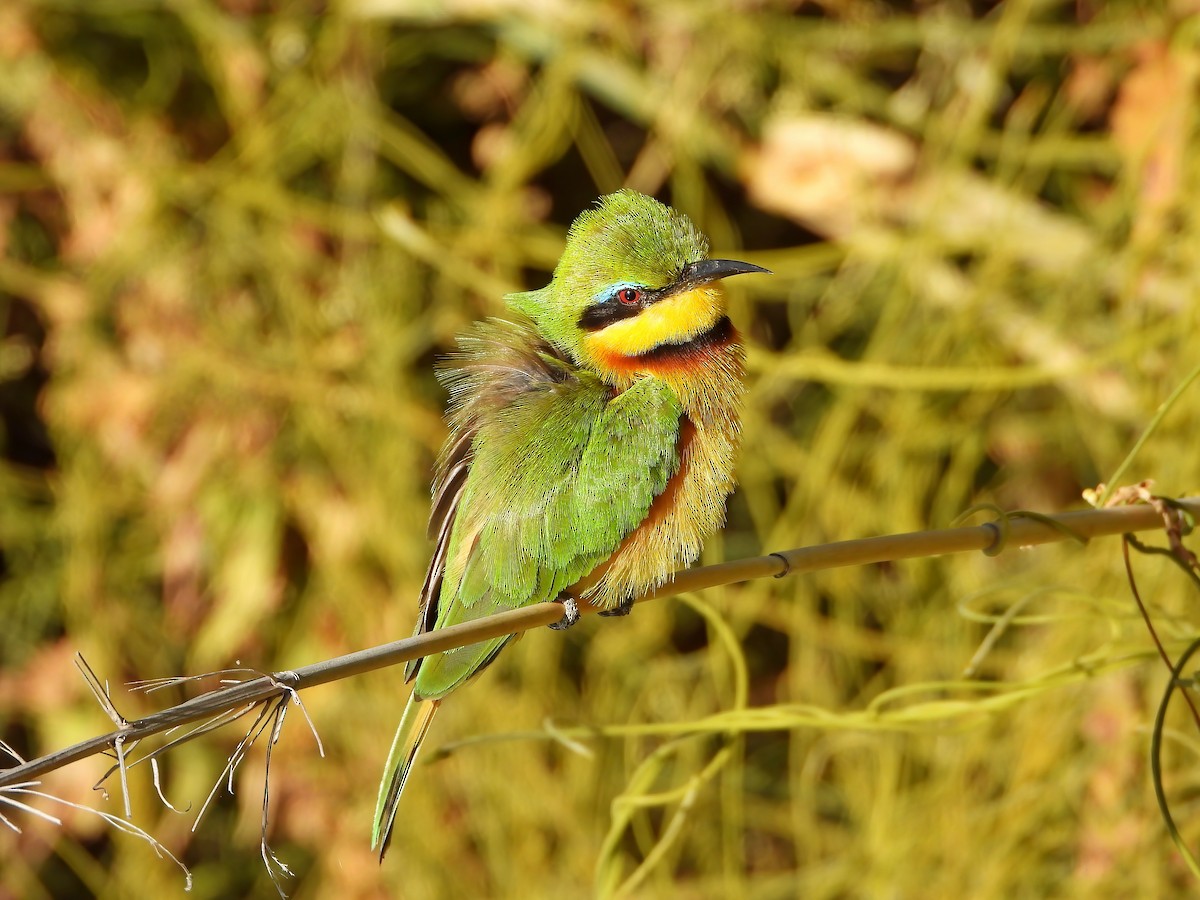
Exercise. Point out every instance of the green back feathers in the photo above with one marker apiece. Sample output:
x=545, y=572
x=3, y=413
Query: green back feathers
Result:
x=560, y=472
x=628, y=238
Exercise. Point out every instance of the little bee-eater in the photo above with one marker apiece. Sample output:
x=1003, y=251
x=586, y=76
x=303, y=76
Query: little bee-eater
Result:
x=591, y=445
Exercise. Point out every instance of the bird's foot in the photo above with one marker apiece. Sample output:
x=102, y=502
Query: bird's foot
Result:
x=621, y=609
x=570, y=614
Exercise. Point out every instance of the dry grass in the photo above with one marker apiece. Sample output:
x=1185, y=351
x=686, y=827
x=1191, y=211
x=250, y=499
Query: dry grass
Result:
x=234, y=239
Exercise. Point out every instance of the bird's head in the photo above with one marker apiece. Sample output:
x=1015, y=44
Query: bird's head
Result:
x=634, y=279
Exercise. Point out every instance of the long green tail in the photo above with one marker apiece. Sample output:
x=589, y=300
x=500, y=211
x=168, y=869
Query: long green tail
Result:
x=409, y=735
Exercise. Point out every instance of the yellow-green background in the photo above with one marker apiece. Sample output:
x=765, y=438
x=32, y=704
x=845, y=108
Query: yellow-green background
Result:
x=234, y=236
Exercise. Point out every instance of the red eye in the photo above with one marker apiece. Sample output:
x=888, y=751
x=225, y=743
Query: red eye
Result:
x=629, y=296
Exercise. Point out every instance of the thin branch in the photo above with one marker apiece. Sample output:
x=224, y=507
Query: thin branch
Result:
x=1017, y=531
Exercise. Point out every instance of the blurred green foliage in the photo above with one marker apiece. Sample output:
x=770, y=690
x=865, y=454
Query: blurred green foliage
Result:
x=237, y=234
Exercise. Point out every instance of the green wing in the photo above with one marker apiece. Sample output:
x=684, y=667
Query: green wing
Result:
x=557, y=476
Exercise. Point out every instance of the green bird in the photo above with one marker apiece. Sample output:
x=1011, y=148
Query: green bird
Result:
x=591, y=444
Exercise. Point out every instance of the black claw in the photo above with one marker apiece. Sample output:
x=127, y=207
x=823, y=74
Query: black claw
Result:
x=621, y=609
x=570, y=614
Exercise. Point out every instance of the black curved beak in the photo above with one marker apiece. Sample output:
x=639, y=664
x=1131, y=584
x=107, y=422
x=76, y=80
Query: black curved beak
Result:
x=707, y=270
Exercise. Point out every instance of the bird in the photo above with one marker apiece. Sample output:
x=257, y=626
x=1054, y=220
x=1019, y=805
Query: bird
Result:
x=591, y=447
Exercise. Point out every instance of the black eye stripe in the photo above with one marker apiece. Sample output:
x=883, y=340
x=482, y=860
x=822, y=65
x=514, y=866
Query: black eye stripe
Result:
x=601, y=315
x=694, y=274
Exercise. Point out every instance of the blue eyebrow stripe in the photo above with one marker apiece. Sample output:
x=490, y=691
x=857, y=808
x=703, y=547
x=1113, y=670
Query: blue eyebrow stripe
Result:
x=605, y=310
x=608, y=294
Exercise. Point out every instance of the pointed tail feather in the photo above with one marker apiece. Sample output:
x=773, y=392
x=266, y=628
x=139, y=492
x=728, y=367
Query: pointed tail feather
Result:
x=409, y=735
